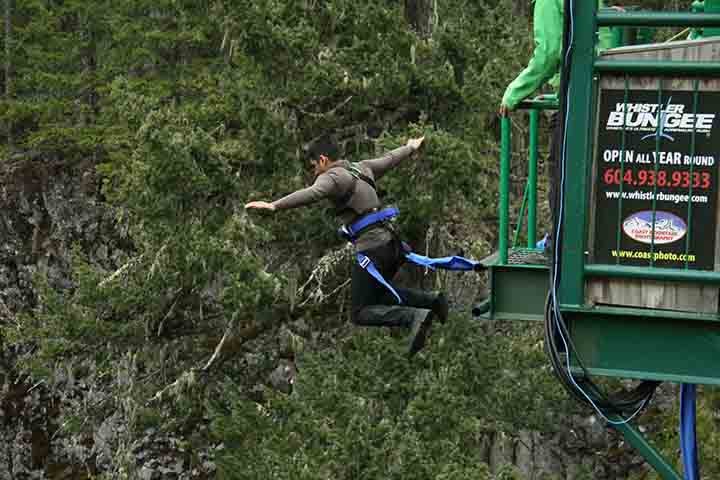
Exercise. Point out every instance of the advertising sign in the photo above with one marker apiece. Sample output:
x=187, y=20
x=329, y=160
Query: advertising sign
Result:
x=658, y=191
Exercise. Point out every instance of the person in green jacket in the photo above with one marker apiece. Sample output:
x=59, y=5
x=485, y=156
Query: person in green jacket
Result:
x=544, y=66
x=546, y=61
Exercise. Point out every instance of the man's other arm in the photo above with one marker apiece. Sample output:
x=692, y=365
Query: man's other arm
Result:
x=382, y=164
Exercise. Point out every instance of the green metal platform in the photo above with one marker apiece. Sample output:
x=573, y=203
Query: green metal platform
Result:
x=518, y=289
x=617, y=341
x=620, y=342
x=615, y=332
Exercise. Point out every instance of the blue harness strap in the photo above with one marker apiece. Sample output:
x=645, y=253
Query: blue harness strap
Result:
x=448, y=263
x=370, y=219
x=367, y=265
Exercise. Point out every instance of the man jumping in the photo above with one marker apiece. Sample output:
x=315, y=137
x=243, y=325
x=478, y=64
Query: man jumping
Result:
x=351, y=187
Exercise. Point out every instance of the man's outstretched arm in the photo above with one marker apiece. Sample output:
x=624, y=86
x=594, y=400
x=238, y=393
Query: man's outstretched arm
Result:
x=382, y=164
x=323, y=187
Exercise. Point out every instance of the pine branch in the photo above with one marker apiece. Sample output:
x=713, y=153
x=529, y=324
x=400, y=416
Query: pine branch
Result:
x=117, y=273
x=231, y=341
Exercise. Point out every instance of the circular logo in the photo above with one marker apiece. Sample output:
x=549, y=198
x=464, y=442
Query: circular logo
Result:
x=669, y=227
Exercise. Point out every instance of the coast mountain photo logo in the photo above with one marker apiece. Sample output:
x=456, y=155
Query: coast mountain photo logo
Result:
x=669, y=227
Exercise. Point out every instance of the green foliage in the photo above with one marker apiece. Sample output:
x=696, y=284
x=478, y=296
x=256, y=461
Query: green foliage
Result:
x=363, y=410
x=430, y=189
x=64, y=325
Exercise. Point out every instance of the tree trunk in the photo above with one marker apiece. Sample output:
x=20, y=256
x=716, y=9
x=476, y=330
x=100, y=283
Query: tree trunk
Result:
x=522, y=9
x=8, y=78
x=421, y=15
x=90, y=62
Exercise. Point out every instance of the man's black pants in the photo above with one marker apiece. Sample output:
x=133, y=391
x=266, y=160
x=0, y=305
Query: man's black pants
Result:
x=373, y=304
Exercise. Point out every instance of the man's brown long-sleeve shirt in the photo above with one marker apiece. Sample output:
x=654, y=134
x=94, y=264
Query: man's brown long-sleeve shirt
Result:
x=336, y=182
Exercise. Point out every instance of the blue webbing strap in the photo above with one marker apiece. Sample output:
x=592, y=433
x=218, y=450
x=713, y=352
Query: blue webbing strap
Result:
x=367, y=265
x=688, y=446
x=371, y=219
x=446, y=263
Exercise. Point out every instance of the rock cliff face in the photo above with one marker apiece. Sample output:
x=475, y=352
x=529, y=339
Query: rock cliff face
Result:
x=47, y=208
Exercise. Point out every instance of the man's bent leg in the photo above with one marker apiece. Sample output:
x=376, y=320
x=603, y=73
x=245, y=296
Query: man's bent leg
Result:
x=387, y=316
x=419, y=320
x=373, y=305
x=367, y=291
x=435, y=301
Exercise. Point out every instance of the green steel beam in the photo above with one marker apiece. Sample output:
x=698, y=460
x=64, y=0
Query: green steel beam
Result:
x=711, y=6
x=577, y=153
x=542, y=102
x=623, y=142
x=518, y=292
x=532, y=178
x=646, y=347
x=518, y=317
x=653, y=374
x=658, y=143
x=504, y=188
x=652, y=456
x=659, y=274
x=664, y=68
x=658, y=19
x=693, y=137
x=630, y=312
x=482, y=308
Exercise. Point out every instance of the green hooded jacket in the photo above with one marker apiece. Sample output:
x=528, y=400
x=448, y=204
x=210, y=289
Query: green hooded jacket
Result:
x=546, y=60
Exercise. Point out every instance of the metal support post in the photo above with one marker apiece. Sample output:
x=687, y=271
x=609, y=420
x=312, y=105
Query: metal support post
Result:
x=648, y=452
x=532, y=179
x=504, y=188
x=577, y=152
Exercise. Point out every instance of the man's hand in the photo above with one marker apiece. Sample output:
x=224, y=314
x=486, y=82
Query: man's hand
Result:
x=259, y=205
x=416, y=143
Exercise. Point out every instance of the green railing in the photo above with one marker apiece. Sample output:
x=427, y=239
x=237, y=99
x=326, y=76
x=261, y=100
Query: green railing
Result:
x=654, y=19
x=705, y=6
x=529, y=202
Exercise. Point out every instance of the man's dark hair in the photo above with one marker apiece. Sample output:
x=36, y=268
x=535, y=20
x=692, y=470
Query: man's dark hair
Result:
x=324, y=146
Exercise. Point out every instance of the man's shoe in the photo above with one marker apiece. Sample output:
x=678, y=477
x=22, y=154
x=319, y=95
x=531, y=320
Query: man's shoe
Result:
x=441, y=308
x=419, y=332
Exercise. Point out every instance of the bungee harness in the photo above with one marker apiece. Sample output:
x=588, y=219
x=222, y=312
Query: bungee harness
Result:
x=381, y=217
x=354, y=170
